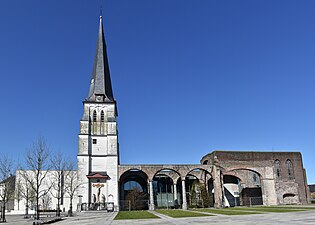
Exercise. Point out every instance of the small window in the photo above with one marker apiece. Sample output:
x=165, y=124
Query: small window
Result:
x=102, y=116
x=94, y=141
x=255, y=178
x=290, y=169
x=94, y=116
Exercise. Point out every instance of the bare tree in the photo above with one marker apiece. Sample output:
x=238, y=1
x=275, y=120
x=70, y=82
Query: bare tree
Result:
x=71, y=184
x=7, y=181
x=18, y=194
x=37, y=161
x=137, y=199
x=25, y=190
x=59, y=165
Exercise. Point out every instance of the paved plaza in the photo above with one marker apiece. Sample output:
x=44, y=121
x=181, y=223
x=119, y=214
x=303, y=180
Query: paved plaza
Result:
x=104, y=218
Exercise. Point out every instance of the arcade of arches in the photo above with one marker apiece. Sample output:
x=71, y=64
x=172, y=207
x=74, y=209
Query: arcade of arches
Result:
x=222, y=179
x=157, y=186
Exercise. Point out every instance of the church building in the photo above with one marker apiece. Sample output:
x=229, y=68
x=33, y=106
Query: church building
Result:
x=223, y=178
x=98, y=155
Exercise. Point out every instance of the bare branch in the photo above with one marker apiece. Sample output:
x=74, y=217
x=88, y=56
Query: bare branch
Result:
x=71, y=184
x=7, y=182
x=38, y=163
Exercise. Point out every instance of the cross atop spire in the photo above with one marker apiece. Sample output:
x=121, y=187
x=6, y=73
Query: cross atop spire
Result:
x=100, y=86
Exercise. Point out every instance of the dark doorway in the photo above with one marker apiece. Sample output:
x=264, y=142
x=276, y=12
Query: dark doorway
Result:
x=252, y=196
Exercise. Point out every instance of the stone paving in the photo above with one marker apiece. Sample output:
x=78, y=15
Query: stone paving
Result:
x=104, y=218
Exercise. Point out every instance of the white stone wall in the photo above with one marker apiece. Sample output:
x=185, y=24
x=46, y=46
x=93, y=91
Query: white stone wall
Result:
x=48, y=201
x=98, y=151
x=83, y=170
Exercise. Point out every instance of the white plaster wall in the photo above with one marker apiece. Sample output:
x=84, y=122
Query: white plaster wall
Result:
x=111, y=128
x=100, y=148
x=83, y=170
x=83, y=144
x=50, y=200
x=112, y=145
x=110, y=165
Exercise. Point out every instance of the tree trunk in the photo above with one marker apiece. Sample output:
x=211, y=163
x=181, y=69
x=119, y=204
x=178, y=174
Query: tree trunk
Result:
x=26, y=205
x=3, y=213
x=37, y=207
x=26, y=211
x=58, y=208
x=70, y=210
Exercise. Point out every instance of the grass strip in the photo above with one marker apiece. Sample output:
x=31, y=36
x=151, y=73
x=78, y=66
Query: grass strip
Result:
x=288, y=207
x=226, y=212
x=266, y=209
x=128, y=215
x=177, y=213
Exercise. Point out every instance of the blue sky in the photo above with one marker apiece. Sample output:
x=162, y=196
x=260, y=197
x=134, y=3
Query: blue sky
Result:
x=189, y=76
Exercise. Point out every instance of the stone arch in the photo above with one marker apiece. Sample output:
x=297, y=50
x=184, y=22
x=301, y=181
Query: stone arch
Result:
x=243, y=168
x=133, y=189
x=195, y=168
x=249, y=187
x=166, y=193
x=198, y=182
x=258, y=170
x=172, y=173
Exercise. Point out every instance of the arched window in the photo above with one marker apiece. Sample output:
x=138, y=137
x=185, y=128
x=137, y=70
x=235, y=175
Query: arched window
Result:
x=255, y=178
x=102, y=116
x=277, y=168
x=94, y=116
x=102, y=125
x=290, y=169
x=94, y=122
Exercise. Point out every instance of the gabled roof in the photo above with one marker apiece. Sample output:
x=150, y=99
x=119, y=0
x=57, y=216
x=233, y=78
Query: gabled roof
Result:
x=10, y=180
x=100, y=85
x=98, y=175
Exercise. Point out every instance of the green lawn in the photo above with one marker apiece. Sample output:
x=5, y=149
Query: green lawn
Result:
x=225, y=211
x=289, y=207
x=176, y=213
x=127, y=215
x=268, y=209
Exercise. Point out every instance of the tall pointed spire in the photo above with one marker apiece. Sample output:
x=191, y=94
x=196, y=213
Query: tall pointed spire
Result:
x=100, y=87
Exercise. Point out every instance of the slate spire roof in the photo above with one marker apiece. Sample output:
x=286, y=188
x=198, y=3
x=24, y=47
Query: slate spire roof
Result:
x=100, y=86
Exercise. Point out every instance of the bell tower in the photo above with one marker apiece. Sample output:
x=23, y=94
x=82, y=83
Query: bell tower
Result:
x=98, y=152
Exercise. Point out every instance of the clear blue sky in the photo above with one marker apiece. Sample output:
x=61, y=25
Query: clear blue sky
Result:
x=189, y=76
